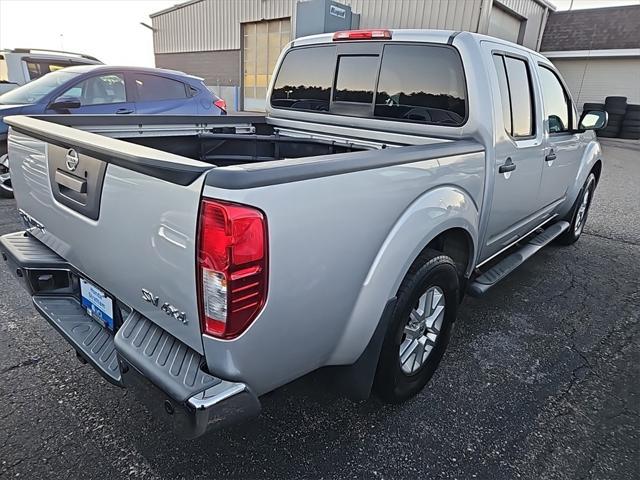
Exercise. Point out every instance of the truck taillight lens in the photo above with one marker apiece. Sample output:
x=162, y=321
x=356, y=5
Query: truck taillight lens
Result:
x=232, y=267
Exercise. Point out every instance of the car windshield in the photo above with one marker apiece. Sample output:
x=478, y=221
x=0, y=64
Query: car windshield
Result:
x=34, y=91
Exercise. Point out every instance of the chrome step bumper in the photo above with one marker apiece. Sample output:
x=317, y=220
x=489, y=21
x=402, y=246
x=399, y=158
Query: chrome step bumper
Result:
x=165, y=374
x=169, y=378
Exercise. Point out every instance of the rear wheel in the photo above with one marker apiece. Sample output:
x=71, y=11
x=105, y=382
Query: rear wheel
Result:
x=6, y=190
x=420, y=328
x=578, y=215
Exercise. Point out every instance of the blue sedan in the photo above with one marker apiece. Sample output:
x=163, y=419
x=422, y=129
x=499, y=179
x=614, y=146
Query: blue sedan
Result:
x=102, y=89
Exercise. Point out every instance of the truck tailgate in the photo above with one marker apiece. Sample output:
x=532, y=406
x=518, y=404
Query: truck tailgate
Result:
x=125, y=216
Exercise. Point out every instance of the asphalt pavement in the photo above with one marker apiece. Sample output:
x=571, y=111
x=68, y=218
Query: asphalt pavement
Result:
x=541, y=381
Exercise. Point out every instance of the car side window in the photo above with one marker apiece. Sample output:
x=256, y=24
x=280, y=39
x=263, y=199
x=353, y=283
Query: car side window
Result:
x=153, y=87
x=99, y=90
x=516, y=95
x=555, y=101
x=37, y=69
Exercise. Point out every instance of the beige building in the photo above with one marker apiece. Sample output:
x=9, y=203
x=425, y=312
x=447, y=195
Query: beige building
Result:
x=597, y=51
x=234, y=44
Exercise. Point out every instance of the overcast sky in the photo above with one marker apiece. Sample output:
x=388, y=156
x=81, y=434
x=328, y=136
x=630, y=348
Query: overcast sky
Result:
x=108, y=30
x=111, y=30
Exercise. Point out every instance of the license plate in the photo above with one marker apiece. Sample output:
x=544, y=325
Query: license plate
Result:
x=97, y=304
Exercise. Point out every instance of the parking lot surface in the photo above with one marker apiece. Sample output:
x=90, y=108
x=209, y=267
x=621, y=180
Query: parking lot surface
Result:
x=541, y=381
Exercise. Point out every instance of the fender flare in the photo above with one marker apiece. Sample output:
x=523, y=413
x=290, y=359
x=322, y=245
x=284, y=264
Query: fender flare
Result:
x=592, y=155
x=431, y=214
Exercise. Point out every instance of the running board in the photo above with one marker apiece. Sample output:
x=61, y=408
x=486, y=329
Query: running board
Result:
x=480, y=285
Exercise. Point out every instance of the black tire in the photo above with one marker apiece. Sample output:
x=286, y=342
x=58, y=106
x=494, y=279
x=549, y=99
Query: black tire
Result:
x=632, y=115
x=592, y=106
x=431, y=269
x=630, y=135
x=6, y=190
x=616, y=102
x=632, y=107
x=572, y=234
x=617, y=112
x=631, y=123
x=608, y=132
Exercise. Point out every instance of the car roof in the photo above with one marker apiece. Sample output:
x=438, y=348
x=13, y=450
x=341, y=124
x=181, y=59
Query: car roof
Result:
x=150, y=70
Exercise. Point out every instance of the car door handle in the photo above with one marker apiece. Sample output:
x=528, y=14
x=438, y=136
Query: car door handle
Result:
x=124, y=111
x=507, y=166
x=550, y=157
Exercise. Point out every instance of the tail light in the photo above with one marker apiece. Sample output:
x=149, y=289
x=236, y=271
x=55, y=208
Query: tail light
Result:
x=375, y=34
x=221, y=104
x=232, y=267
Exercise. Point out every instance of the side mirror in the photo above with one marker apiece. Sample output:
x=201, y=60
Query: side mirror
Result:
x=65, y=103
x=593, y=120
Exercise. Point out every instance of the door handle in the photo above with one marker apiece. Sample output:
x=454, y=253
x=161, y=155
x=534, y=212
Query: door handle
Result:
x=124, y=111
x=550, y=157
x=507, y=166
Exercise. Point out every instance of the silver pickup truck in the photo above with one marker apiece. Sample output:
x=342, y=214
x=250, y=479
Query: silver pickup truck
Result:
x=203, y=262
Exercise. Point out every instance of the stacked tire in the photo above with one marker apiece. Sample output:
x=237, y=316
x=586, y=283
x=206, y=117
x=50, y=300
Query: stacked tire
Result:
x=616, y=108
x=631, y=123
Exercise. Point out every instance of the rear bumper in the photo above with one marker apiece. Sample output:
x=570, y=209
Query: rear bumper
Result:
x=162, y=372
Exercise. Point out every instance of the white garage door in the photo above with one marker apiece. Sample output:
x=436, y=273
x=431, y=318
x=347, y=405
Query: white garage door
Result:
x=591, y=80
x=503, y=24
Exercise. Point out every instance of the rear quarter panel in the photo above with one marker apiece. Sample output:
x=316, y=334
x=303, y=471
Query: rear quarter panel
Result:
x=338, y=249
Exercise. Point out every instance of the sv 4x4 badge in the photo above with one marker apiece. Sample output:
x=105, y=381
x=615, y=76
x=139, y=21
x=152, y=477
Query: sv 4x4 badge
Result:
x=166, y=307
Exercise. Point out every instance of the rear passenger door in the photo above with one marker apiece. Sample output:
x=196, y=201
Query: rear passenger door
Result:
x=158, y=94
x=563, y=149
x=518, y=149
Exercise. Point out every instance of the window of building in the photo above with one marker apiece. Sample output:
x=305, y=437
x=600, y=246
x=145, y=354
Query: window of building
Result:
x=151, y=88
x=304, y=79
x=516, y=95
x=555, y=101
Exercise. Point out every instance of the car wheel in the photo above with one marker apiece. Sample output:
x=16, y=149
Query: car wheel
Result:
x=578, y=215
x=6, y=190
x=420, y=328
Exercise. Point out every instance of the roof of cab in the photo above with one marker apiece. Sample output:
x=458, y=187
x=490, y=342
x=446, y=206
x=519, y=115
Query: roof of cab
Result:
x=406, y=35
x=414, y=35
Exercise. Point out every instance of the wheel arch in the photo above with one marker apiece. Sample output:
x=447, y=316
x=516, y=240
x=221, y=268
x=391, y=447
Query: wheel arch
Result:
x=447, y=217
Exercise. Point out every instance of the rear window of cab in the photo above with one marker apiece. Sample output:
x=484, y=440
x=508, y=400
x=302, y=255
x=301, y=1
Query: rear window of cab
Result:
x=404, y=82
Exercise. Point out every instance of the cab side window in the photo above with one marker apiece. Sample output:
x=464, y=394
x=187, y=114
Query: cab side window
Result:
x=555, y=101
x=516, y=95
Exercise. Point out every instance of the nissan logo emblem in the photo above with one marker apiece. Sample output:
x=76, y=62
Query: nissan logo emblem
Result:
x=72, y=159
